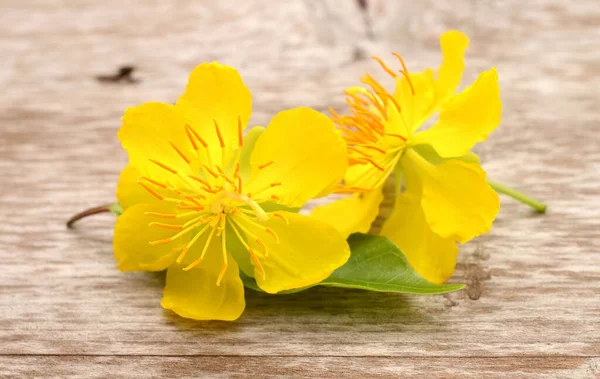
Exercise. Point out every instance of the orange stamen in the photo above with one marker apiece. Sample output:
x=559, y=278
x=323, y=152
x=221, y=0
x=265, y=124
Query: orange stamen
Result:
x=189, y=135
x=191, y=207
x=353, y=148
x=262, y=166
x=202, y=141
x=412, y=89
x=401, y=60
x=159, y=184
x=374, y=164
x=240, y=132
x=272, y=233
x=160, y=242
x=384, y=66
x=218, y=130
x=373, y=147
x=164, y=166
x=201, y=181
x=196, y=196
x=152, y=192
x=166, y=226
x=214, y=174
x=179, y=152
x=261, y=244
x=396, y=135
x=161, y=215
x=257, y=262
x=279, y=215
x=392, y=99
x=228, y=180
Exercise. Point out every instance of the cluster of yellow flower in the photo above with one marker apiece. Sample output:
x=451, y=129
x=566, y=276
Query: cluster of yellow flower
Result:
x=203, y=200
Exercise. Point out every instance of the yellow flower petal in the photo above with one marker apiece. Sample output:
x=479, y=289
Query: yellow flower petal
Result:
x=304, y=252
x=465, y=119
x=351, y=214
x=415, y=107
x=132, y=237
x=457, y=200
x=249, y=142
x=216, y=93
x=145, y=135
x=194, y=294
x=453, y=44
x=129, y=191
x=432, y=256
x=301, y=150
x=427, y=152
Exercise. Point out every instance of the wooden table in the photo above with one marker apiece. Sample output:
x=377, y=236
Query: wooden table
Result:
x=532, y=306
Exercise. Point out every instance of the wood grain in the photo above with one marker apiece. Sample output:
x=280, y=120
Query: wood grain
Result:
x=532, y=307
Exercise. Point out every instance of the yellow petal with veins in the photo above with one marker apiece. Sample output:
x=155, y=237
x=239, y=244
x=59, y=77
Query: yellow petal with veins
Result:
x=457, y=201
x=298, y=157
x=133, y=234
x=352, y=214
x=145, y=135
x=195, y=294
x=130, y=192
x=304, y=252
x=453, y=44
x=216, y=93
x=465, y=119
x=415, y=107
x=432, y=256
x=249, y=142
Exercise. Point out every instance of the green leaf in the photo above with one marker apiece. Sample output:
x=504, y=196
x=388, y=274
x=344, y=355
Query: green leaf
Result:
x=376, y=264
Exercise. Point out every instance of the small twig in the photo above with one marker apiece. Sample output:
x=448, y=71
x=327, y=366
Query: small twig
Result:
x=123, y=75
x=89, y=212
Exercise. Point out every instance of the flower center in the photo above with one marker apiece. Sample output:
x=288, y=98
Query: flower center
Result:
x=213, y=202
x=221, y=204
x=372, y=110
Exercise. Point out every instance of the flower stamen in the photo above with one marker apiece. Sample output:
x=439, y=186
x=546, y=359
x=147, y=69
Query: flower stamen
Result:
x=371, y=161
x=166, y=226
x=164, y=166
x=263, y=166
x=189, y=245
x=206, y=245
x=224, y=248
x=396, y=136
x=384, y=66
x=279, y=215
x=240, y=132
x=156, y=183
x=249, y=249
x=200, y=180
x=214, y=174
x=150, y=190
x=179, y=152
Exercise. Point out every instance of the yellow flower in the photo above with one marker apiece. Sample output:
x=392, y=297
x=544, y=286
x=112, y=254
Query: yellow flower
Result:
x=202, y=201
x=446, y=196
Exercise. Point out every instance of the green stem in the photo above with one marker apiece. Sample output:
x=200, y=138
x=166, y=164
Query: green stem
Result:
x=535, y=204
x=113, y=208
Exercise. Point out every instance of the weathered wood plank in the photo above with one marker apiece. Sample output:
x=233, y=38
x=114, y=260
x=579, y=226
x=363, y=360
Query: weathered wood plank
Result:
x=298, y=367
x=532, y=305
